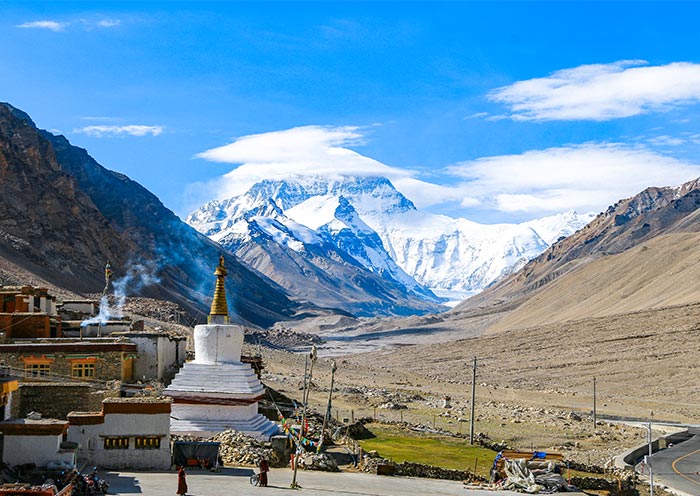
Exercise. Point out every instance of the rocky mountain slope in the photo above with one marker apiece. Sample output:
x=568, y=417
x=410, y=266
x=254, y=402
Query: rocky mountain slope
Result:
x=65, y=216
x=381, y=229
x=641, y=253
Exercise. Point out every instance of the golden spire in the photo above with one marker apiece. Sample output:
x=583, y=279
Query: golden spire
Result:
x=219, y=306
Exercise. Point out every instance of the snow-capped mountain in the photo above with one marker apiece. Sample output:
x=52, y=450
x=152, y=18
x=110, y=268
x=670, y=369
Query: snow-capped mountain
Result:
x=376, y=226
x=333, y=259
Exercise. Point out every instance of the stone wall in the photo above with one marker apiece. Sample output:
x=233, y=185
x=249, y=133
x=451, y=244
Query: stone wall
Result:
x=56, y=400
x=108, y=364
x=410, y=469
x=620, y=486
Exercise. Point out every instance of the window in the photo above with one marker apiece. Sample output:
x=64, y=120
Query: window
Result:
x=148, y=442
x=37, y=367
x=36, y=370
x=81, y=369
x=116, y=443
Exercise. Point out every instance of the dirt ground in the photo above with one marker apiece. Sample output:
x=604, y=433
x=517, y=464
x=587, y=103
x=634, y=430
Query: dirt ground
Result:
x=534, y=386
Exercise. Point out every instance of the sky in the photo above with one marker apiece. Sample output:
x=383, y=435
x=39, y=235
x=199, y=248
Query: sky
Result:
x=494, y=111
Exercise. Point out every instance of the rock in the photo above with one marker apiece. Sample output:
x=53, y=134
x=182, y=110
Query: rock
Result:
x=320, y=461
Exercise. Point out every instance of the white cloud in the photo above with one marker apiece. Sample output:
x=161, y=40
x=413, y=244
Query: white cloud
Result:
x=108, y=23
x=312, y=151
x=52, y=25
x=665, y=140
x=56, y=26
x=583, y=177
x=112, y=131
x=601, y=92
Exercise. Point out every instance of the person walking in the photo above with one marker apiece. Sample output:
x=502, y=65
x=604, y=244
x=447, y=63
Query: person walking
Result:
x=264, y=469
x=181, y=481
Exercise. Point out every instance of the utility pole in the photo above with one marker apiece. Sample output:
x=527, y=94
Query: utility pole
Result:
x=328, y=407
x=471, y=421
x=595, y=413
x=651, y=473
x=307, y=386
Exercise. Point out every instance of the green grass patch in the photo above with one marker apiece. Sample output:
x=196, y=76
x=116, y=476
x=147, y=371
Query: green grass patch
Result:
x=447, y=452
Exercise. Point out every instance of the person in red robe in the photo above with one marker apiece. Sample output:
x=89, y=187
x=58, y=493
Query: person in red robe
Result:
x=181, y=481
x=264, y=469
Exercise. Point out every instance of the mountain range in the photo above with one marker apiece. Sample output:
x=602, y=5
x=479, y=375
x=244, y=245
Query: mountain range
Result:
x=640, y=254
x=65, y=216
x=354, y=246
x=317, y=229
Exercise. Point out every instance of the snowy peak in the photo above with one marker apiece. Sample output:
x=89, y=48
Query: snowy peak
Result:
x=556, y=227
x=376, y=193
x=374, y=225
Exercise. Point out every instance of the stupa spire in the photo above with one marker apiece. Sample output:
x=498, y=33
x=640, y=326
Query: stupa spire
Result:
x=219, y=306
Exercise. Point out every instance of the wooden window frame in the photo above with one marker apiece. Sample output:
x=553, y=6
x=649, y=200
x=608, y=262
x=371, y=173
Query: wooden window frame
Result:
x=83, y=365
x=37, y=370
x=147, y=442
x=116, y=443
x=80, y=370
x=37, y=367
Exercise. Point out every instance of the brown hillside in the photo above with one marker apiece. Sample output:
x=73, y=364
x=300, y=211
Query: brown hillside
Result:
x=638, y=279
x=662, y=272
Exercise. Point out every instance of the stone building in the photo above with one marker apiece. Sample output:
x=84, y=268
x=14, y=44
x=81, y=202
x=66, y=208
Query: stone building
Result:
x=100, y=359
x=28, y=312
x=131, y=433
x=58, y=399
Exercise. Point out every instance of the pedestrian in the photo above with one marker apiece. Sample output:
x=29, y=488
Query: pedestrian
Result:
x=181, y=481
x=264, y=469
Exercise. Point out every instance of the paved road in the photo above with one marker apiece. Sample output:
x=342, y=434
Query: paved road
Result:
x=234, y=481
x=679, y=466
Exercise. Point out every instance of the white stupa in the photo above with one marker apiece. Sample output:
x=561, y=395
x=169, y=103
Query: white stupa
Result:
x=215, y=391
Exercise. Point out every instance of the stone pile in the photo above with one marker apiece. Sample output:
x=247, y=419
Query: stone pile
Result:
x=379, y=396
x=162, y=310
x=238, y=449
x=282, y=338
x=321, y=461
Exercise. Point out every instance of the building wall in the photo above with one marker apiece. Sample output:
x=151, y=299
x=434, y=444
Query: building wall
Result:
x=108, y=364
x=159, y=357
x=92, y=441
x=87, y=307
x=25, y=325
x=34, y=449
x=56, y=400
x=146, y=366
x=171, y=357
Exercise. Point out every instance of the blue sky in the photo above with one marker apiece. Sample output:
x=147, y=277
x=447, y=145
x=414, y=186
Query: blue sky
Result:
x=498, y=111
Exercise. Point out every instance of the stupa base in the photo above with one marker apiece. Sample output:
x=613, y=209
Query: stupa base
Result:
x=258, y=427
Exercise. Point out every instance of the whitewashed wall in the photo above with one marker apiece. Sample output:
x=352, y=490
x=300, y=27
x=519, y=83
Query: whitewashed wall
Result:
x=34, y=449
x=215, y=412
x=91, y=440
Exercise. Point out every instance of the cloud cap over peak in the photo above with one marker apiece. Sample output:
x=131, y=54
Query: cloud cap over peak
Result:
x=600, y=92
x=312, y=151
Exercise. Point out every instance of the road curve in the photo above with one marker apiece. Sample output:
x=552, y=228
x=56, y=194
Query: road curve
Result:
x=679, y=466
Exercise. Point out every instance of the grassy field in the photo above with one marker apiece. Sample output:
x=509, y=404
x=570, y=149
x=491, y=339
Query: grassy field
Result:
x=403, y=445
